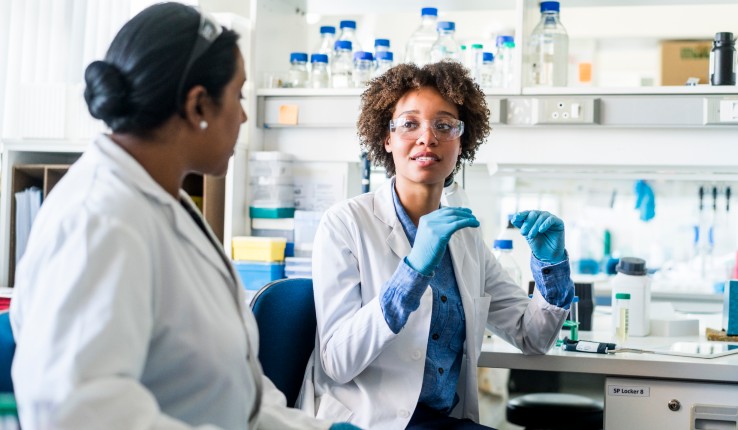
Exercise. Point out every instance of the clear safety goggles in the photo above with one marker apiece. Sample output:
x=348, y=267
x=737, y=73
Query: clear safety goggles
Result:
x=411, y=128
x=207, y=32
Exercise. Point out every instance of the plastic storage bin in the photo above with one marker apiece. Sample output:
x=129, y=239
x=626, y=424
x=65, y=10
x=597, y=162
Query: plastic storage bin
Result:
x=265, y=249
x=255, y=275
x=298, y=267
x=270, y=163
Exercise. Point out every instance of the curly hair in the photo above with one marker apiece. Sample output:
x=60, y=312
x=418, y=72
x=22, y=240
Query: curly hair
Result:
x=450, y=79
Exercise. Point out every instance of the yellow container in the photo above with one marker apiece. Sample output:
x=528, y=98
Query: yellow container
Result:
x=251, y=248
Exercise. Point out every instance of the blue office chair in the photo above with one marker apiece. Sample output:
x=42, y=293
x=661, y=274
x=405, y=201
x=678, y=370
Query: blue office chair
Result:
x=285, y=313
x=7, y=350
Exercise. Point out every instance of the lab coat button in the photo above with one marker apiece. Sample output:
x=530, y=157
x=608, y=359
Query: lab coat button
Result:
x=403, y=413
x=416, y=355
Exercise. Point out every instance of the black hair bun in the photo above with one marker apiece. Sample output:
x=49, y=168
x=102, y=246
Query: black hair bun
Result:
x=106, y=92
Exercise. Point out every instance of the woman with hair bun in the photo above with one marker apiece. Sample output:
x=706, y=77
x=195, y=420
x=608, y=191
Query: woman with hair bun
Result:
x=127, y=312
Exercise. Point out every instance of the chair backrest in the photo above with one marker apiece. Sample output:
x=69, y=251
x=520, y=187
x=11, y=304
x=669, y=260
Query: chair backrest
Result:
x=7, y=350
x=285, y=313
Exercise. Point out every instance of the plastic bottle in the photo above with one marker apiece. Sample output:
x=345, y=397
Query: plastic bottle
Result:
x=445, y=46
x=297, y=76
x=348, y=32
x=342, y=66
x=327, y=41
x=363, y=68
x=420, y=42
x=319, y=75
x=503, y=253
x=631, y=279
x=505, y=61
x=621, y=317
x=486, y=71
x=475, y=60
x=548, y=50
x=381, y=45
x=8, y=412
x=384, y=62
x=722, y=59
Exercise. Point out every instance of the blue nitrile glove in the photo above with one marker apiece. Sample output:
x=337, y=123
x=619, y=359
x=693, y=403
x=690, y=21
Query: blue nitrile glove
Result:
x=434, y=232
x=544, y=233
x=645, y=200
x=344, y=426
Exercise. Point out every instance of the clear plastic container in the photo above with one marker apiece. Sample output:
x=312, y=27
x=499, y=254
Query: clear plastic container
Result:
x=475, y=60
x=420, y=42
x=486, y=72
x=505, y=61
x=342, y=67
x=445, y=46
x=297, y=76
x=363, y=68
x=319, y=75
x=548, y=49
x=503, y=253
x=381, y=45
x=348, y=32
x=621, y=312
x=327, y=41
x=384, y=62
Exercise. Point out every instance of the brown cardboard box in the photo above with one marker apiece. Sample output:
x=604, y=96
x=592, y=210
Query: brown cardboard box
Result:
x=682, y=59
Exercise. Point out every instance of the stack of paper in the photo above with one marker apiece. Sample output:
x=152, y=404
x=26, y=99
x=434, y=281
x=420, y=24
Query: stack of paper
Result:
x=27, y=204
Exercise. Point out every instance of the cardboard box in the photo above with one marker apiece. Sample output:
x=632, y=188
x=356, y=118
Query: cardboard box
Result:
x=683, y=59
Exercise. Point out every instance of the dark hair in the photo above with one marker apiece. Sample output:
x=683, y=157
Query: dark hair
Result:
x=449, y=78
x=135, y=89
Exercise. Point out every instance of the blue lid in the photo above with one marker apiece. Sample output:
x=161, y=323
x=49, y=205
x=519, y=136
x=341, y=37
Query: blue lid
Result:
x=575, y=299
x=348, y=24
x=342, y=44
x=487, y=56
x=429, y=11
x=384, y=55
x=501, y=40
x=549, y=6
x=362, y=55
x=327, y=29
x=502, y=244
x=319, y=58
x=298, y=56
x=446, y=25
x=381, y=42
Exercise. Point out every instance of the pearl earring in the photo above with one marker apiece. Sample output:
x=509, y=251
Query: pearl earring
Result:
x=203, y=125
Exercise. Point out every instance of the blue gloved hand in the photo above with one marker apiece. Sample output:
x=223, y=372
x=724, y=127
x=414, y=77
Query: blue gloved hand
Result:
x=344, y=426
x=434, y=232
x=645, y=200
x=544, y=233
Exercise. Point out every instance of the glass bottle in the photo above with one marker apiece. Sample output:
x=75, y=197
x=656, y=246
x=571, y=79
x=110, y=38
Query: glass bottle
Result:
x=348, y=32
x=445, y=46
x=363, y=68
x=319, y=76
x=475, y=60
x=381, y=45
x=503, y=252
x=548, y=49
x=327, y=41
x=420, y=42
x=486, y=71
x=504, y=61
x=297, y=76
x=342, y=66
x=384, y=62
x=621, y=310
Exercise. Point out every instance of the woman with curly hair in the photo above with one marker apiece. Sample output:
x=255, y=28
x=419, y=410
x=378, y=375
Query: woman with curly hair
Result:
x=404, y=287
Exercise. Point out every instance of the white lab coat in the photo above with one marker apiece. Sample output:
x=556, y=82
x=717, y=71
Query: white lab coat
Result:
x=361, y=371
x=127, y=316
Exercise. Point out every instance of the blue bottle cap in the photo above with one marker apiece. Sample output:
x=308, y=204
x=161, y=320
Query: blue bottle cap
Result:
x=381, y=42
x=362, y=55
x=327, y=29
x=384, y=55
x=298, y=56
x=429, y=11
x=503, y=244
x=342, y=44
x=575, y=299
x=550, y=6
x=319, y=58
x=487, y=56
x=348, y=24
x=501, y=40
x=446, y=25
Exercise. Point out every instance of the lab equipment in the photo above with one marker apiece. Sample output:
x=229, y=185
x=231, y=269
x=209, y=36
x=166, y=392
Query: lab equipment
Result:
x=7, y=351
x=348, y=32
x=486, y=71
x=8, y=412
x=503, y=253
x=420, y=42
x=384, y=62
x=381, y=45
x=434, y=232
x=548, y=49
x=574, y=310
x=584, y=291
x=297, y=76
x=504, y=61
x=588, y=346
x=319, y=75
x=544, y=233
x=730, y=308
x=342, y=66
x=474, y=60
x=722, y=59
x=632, y=279
x=327, y=41
x=363, y=68
x=445, y=46
x=621, y=313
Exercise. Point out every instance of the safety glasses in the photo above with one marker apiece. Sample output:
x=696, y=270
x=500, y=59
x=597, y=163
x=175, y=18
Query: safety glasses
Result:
x=411, y=128
x=207, y=32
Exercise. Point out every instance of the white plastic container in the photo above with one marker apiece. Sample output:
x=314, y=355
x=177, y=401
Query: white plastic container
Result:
x=632, y=279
